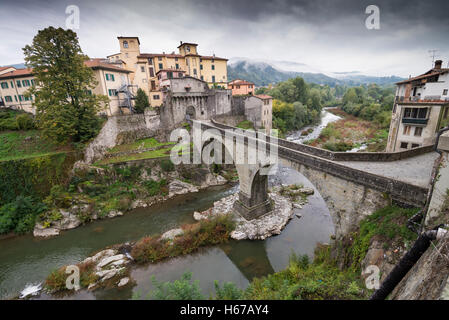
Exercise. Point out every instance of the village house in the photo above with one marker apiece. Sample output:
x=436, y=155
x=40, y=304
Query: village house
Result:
x=241, y=87
x=420, y=110
x=258, y=110
x=113, y=81
x=146, y=67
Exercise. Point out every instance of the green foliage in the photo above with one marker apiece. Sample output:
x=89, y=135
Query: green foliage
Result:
x=33, y=176
x=229, y=291
x=203, y=233
x=156, y=187
x=66, y=111
x=167, y=165
x=246, y=124
x=389, y=223
x=182, y=289
x=19, y=215
x=141, y=102
x=372, y=103
x=24, y=122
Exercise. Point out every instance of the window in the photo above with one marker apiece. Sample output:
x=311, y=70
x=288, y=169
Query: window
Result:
x=418, y=131
x=19, y=84
x=445, y=92
x=8, y=99
x=156, y=97
x=177, y=65
x=26, y=83
x=201, y=67
x=110, y=77
x=142, y=68
x=176, y=59
x=404, y=145
x=187, y=48
x=170, y=75
x=415, y=113
x=153, y=85
x=112, y=92
x=125, y=44
x=202, y=78
x=161, y=66
x=151, y=72
x=159, y=59
x=213, y=67
x=12, y=84
x=407, y=130
x=4, y=85
x=21, y=97
x=32, y=82
x=194, y=72
x=213, y=78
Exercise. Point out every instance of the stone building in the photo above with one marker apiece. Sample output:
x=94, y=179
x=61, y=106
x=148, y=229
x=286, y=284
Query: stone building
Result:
x=258, y=110
x=191, y=98
x=241, y=87
x=146, y=66
x=112, y=82
x=420, y=110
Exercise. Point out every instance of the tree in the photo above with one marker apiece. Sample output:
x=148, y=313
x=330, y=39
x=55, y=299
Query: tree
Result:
x=141, y=101
x=66, y=109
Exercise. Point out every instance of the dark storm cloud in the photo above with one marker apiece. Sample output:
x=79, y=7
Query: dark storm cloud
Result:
x=325, y=34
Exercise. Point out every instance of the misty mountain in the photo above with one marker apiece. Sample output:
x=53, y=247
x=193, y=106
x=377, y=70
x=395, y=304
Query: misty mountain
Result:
x=263, y=73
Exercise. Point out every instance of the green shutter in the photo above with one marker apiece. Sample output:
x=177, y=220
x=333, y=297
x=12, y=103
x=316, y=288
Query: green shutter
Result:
x=19, y=85
x=112, y=77
x=107, y=76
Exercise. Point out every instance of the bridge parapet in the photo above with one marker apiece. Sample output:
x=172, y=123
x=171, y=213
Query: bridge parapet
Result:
x=345, y=156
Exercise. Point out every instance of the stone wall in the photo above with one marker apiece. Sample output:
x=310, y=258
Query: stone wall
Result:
x=122, y=129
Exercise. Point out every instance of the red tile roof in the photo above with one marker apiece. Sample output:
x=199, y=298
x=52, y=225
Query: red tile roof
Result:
x=430, y=73
x=96, y=63
x=263, y=96
x=5, y=68
x=240, y=82
x=153, y=55
x=17, y=73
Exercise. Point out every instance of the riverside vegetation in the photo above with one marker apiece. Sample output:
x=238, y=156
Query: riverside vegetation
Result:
x=334, y=273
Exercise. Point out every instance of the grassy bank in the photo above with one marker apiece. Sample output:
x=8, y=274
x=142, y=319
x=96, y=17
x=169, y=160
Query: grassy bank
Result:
x=351, y=132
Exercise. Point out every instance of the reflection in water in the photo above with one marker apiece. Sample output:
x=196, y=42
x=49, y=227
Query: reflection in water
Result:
x=250, y=257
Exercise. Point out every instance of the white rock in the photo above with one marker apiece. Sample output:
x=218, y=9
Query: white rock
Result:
x=100, y=255
x=171, y=234
x=40, y=231
x=177, y=187
x=114, y=213
x=297, y=205
x=123, y=282
x=105, y=261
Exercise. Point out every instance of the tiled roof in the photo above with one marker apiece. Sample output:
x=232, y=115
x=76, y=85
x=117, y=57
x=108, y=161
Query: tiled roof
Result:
x=212, y=58
x=17, y=73
x=263, y=96
x=430, y=73
x=5, y=68
x=92, y=63
x=240, y=82
x=153, y=55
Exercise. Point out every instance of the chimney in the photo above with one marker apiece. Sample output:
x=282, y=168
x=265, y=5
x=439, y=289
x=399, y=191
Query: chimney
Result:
x=180, y=42
x=438, y=64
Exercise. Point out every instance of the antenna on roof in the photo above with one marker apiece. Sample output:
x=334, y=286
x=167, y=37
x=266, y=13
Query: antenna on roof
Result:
x=433, y=55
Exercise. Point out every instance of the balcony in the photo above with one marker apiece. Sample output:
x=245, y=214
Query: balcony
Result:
x=419, y=99
x=415, y=121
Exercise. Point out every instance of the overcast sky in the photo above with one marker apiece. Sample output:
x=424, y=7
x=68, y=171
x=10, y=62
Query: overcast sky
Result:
x=328, y=35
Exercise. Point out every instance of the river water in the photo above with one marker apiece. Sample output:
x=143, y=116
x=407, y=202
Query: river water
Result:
x=26, y=261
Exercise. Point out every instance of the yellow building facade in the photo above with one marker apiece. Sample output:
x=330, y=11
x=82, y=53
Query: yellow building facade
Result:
x=145, y=66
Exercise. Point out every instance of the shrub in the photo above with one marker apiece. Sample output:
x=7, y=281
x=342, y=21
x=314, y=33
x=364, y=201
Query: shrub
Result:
x=24, y=122
x=167, y=165
x=182, y=289
x=20, y=215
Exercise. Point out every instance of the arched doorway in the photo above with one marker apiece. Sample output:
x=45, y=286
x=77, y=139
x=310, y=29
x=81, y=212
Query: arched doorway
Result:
x=190, y=113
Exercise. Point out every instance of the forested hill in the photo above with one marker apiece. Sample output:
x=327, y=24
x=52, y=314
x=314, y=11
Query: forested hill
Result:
x=262, y=74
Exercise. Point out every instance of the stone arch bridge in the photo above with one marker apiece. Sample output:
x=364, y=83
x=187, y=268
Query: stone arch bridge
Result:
x=353, y=185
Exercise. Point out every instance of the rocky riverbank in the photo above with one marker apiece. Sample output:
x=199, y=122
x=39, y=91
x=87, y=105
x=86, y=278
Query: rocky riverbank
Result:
x=284, y=198
x=101, y=193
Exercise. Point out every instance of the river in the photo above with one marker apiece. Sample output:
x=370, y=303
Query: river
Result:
x=26, y=261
